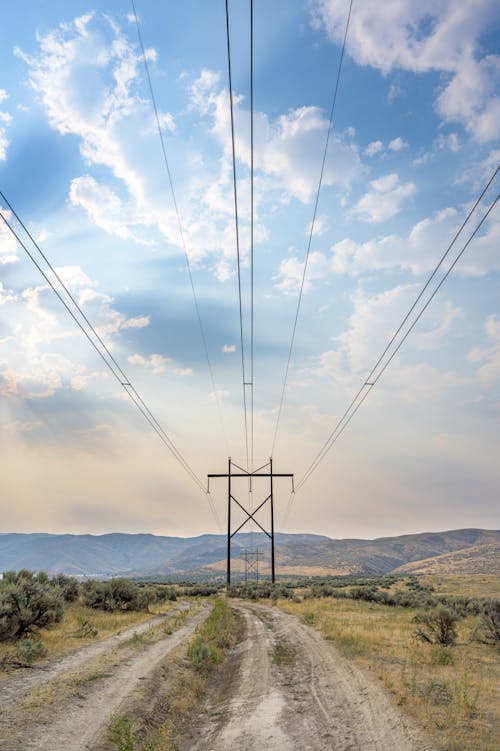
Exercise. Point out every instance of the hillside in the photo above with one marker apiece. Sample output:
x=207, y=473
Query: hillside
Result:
x=467, y=550
x=478, y=559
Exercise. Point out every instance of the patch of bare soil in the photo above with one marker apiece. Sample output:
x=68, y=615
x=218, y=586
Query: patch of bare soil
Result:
x=291, y=689
x=72, y=705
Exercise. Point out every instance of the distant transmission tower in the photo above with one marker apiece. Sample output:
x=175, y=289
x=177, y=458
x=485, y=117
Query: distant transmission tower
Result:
x=232, y=477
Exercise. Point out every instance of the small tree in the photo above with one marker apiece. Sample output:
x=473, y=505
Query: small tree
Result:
x=28, y=602
x=437, y=626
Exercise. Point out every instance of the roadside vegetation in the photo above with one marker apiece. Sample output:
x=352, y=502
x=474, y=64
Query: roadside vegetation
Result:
x=438, y=654
x=47, y=617
x=157, y=724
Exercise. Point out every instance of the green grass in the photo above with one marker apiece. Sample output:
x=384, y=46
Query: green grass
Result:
x=214, y=636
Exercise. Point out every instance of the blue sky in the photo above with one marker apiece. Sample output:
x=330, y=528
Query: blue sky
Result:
x=415, y=139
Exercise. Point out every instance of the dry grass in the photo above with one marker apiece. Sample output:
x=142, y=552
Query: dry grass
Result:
x=450, y=691
x=66, y=636
x=472, y=585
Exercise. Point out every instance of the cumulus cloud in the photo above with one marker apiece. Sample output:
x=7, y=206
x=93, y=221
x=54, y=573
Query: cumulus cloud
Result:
x=292, y=269
x=229, y=348
x=397, y=144
x=375, y=147
x=421, y=249
x=286, y=148
x=156, y=363
x=6, y=295
x=427, y=36
x=28, y=366
x=105, y=208
x=384, y=200
x=371, y=325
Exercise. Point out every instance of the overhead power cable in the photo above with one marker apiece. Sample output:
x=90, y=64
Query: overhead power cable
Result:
x=252, y=207
x=180, y=226
x=96, y=341
x=311, y=231
x=374, y=376
x=236, y=223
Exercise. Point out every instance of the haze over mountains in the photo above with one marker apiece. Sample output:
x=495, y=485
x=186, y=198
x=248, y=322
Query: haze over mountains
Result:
x=456, y=551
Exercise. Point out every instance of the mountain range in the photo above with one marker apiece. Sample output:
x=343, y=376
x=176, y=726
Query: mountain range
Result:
x=158, y=557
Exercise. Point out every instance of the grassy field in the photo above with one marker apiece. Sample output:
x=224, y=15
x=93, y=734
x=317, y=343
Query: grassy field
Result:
x=451, y=691
x=472, y=585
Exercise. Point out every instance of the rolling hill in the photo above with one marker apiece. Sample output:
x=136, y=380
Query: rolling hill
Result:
x=467, y=550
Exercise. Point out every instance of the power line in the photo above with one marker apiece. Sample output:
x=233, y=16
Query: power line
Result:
x=179, y=225
x=251, y=246
x=311, y=232
x=103, y=352
x=374, y=377
x=236, y=221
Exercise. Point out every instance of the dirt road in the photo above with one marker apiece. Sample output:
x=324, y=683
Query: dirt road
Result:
x=68, y=706
x=290, y=689
x=283, y=688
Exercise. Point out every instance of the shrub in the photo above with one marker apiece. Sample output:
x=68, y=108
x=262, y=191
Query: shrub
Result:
x=212, y=637
x=116, y=594
x=437, y=626
x=488, y=629
x=28, y=602
x=29, y=650
x=201, y=654
x=68, y=586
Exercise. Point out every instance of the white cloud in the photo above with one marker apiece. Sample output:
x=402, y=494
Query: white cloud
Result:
x=449, y=142
x=420, y=251
x=229, y=348
x=286, y=148
x=470, y=97
x=384, y=200
x=375, y=147
x=321, y=225
x=105, y=208
x=397, y=144
x=371, y=325
x=156, y=363
x=28, y=366
x=292, y=269
x=6, y=295
x=427, y=36
x=73, y=277
x=5, y=121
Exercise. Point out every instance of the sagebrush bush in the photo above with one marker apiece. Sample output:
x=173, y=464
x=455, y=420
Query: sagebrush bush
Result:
x=488, y=629
x=68, y=585
x=29, y=650
x=28, y=602
x=116, y=594
x=437, y=626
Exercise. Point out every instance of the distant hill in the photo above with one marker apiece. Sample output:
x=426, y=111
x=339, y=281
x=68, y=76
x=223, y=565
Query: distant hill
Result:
x=456, y=551
x=478, y=559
